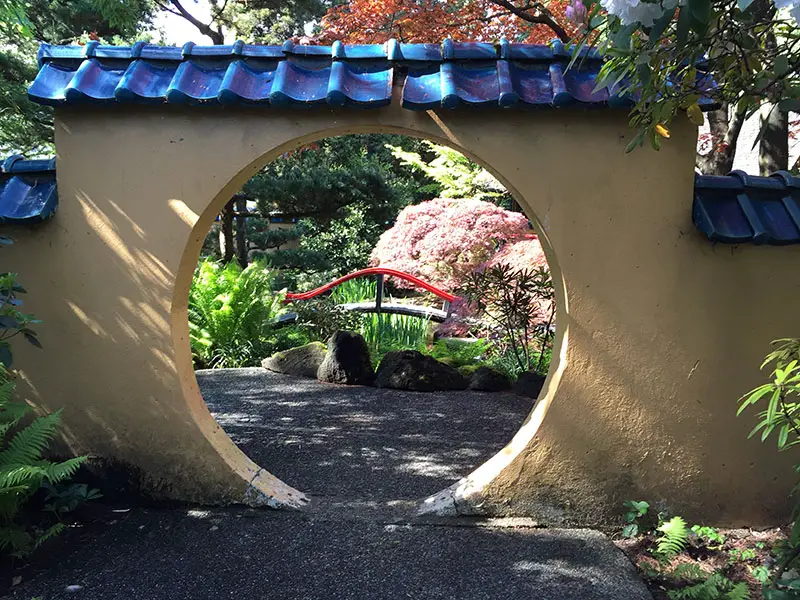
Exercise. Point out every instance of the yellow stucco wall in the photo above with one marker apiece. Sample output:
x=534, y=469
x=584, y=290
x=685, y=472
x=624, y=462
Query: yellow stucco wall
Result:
x=659, y=331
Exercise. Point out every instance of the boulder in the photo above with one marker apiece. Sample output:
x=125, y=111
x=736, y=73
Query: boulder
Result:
x=347, y=360
x=529, y=384
x=412, y=370
x=302, y=361
x=486, y=379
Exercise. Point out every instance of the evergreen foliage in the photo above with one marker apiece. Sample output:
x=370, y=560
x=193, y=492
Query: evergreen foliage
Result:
x=27, y=127
x=343, y=191
x=13, y=322
x=714, y=586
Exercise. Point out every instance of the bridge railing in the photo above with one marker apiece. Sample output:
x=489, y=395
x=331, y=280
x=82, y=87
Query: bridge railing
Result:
x=380, y=273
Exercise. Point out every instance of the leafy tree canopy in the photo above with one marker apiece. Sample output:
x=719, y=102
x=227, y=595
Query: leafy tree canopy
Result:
x=27, y=127
x=741, y=54
x=454, y=175
x=420, y=21
x=345, y=191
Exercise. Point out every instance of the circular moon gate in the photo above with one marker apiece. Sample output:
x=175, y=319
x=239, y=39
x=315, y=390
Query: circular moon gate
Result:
x=650, y=353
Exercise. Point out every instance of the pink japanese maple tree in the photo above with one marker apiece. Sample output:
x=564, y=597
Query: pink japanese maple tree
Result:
x=441, y=241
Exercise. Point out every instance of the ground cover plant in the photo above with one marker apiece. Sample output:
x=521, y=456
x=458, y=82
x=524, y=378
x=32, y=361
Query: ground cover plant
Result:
x=24, y=439
x=679, y=562
x=23, y=471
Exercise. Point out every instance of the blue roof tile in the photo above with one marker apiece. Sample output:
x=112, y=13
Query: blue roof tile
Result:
x=449, y=75
x=145, y=81
x=247, y=82
x=740, y=208
x=27, y=190
x=93, y=81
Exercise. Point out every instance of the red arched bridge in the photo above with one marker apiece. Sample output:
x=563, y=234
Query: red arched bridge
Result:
x=378, y=305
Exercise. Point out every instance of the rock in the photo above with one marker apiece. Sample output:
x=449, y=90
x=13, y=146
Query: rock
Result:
x=412, y=370
x=347, y=360
x=529, y=384
x=303, y=361
x=467, y=370
x=486, y=379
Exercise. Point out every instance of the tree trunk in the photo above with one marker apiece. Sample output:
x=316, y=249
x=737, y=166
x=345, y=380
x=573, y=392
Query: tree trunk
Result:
x=226, y=232
x=724, y=130
x=773, y=150
x=241, y=231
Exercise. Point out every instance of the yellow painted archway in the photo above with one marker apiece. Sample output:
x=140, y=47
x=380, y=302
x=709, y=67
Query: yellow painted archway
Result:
x=657, y=332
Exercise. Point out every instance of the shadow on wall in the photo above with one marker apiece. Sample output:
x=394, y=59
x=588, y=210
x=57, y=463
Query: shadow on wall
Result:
x=134, y=312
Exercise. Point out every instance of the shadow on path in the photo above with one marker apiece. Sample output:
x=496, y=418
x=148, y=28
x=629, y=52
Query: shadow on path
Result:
x=355, y=442
x=375, y=446
x=235, y=553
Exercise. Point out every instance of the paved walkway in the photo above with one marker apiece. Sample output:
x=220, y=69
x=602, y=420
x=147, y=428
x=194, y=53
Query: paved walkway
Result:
x=199, y=555
x=361, y=453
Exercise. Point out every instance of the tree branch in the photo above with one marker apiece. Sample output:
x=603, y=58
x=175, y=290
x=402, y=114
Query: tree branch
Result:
x=216, y=36
x=540, y=17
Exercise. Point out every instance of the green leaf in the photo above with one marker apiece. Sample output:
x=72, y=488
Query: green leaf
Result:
x=32, y=339
x=636, y=141
x=631, y=530
x=644, y=73
x=661, y=25
x=744, y=4
x=701, y=14
x=754, y=397
x=781, y=66
x=772, y=408
x=783, y=435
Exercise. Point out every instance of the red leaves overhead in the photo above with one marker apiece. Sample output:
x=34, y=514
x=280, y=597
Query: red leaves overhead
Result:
x=431, y=21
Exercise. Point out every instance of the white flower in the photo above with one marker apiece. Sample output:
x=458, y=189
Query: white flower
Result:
x=633, y=11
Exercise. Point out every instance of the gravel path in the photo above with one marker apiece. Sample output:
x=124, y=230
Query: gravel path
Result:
x=359, y=443
x=356, y=449
x=272, y=555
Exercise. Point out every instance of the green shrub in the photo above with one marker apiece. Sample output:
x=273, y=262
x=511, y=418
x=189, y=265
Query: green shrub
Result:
x=779, y=414
x=460, y=353
x=231, y=314
x=23, y=470
x=517, y=309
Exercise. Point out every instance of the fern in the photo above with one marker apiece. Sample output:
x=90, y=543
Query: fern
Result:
x=688, y=572
x=23, y=470
x=231, y=314
x=714, y=587
x=740, y=591
x=673, y=539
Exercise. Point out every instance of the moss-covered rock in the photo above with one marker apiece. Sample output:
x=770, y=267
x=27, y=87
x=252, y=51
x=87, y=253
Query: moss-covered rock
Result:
x=303, y=361
x=412, y=370
x=487, y=379
x=347, y=360
x=467, y=370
